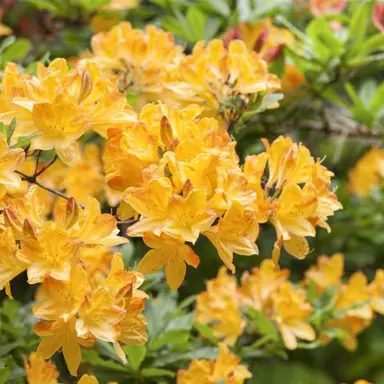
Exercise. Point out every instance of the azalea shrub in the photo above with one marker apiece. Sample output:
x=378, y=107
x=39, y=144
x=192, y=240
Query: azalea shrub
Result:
x=191, y=191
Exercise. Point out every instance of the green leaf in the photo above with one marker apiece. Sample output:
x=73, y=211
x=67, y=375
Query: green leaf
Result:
x=220, y=6
x=209, y=353
x=211, y=28
x=17, y=51
x=136, y=355
x=263, y=324
x=277, y=67
x=206, y=332
x=157, y=372
x=196, y=20
x=11, y=130
x=90, y=356
x=372, y=44
x=5, y=373
x=244, y=9
x=24, y=141
x=359, y=23
x=171, y=338
x=3, y=130
x=7, y=43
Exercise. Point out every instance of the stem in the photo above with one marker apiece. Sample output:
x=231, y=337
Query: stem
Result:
x=46, y=167
x=32, y=180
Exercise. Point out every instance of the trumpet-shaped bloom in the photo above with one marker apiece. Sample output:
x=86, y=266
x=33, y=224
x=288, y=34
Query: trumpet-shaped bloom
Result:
x=61, y=335
x=218, y=306
x=50, y=251
x=213, y=74
x=12, y=260
x=328, y=272
x=39, y=371
x=10, y=160
x=257, y=287
x=368, y=173
x=291, y=312
x=137, y=60
x=226, y=369
x=171, y=253
x=236, y=232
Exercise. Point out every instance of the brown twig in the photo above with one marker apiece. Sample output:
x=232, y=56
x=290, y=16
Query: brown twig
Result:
x=33, y=180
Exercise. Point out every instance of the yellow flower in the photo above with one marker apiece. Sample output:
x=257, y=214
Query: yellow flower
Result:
x=86, y=178
x=39, y=371
x=292, y=79
x=188, y=216
x=12, y=260
x=354, y=298
x=50, y=251
x=236, y=232
x=213, y=74
x=59, y=105
x=137, y=60
x=296, y=195
x=368, y=173
x=264, y=36
x=99, y=315
x=258, y=286
x=328, y=272
x=291, y=312
x=218, y=307
x=171, y=253
x=62, y=335
x=376, y=289
x=226, y=369
x=10, y=160
x=88, y=226
x=57, y=299
x=31, y=206
x=88, y=379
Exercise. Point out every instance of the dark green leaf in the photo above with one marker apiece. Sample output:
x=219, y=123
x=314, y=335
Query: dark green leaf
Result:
x=17, y=51
x=157, y=372
x=136, y=355
x=263, y=324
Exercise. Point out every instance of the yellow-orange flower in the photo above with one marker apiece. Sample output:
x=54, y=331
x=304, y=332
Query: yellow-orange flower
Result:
x=137, y=60
x=59, y=105
x=367, y=173
x=258, y=286
x=236, y=232
x=171, y=253
x=226, y=369
x=291, y=312
x=10, y=160
x=211, y=75
x=39, y=371
x=328, y=272
x=12, y=260
x=218, y=306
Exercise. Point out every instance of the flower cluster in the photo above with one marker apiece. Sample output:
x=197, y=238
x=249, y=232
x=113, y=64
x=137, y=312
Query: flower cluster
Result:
x=269, y=41
x=295, y=310
x=226, y=369
x=368, y=173
x=70, y=140
x=80, y=298
x=181, y=177
x=59, y=105
x=39, y=371
x=137, y=61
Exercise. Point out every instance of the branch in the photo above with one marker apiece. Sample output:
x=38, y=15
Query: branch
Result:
x=46, y=167
x=33, y=180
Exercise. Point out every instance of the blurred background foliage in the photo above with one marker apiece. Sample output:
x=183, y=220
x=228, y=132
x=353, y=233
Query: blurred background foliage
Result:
x=338, y=112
